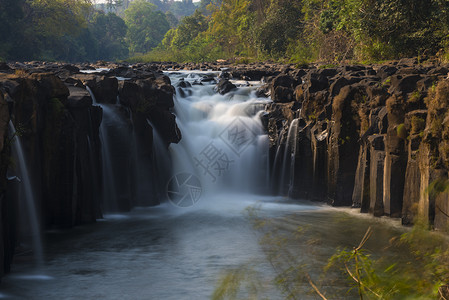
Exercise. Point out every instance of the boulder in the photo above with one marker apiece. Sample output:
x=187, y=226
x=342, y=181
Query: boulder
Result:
x=225, y=86
x=78, y=97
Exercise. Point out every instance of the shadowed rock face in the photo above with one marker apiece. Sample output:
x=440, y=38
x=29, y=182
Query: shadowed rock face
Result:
x=377, y=135
x=373, y=137
x=59, y=129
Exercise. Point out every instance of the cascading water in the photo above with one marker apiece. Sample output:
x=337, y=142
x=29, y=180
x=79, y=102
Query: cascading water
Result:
x=116, y=140
x=164, y=253
x=224, y=145
x=26, y=196
x=160, y=164
x=289, y=158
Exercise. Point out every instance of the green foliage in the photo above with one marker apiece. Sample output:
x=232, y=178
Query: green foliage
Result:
x=417, y=125
x=146, y=26
x=188, y=29
x=437, y=187
x=298, y=31
x=330, y=30
x=109, y=31
x=281, y=27
x=11, y=13
x=182, y=8
x=418, y=270
x=67, y=30
x=229, y=27
x=230, y=284
x=171, y=19
x=415, y=97
x=401, y=131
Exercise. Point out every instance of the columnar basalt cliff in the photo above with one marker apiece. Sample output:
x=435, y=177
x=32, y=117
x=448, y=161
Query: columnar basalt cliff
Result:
x=59, y=127
x=372, y=137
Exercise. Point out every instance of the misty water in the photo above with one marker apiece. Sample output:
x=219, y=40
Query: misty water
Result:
x=182, y=248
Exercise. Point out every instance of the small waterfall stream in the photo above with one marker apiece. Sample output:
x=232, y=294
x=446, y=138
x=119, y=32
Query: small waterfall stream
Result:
x=27, y=199
x=116, y=142
x=289, y=159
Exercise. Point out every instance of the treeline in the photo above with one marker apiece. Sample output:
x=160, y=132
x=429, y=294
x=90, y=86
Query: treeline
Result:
x=73, y=30
x=290, y=30
x=176, y=8
x=309, y=30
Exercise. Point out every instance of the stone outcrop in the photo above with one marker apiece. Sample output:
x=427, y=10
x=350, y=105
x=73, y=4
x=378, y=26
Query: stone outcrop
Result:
x=372, y=137
x=58, y=123
x=376, y=138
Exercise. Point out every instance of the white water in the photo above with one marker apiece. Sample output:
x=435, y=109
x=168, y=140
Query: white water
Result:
x=167, y=253
x=224, y=144
x=114, y=135
x=289, y=159
x=26, y=196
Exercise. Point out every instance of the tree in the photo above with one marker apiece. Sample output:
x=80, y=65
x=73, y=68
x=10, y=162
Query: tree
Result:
x=146, y=26
x=187, y=30
x=283, y=25
x=113, y=4
x=230, y=26
x=52, y=28
x=171, y=19
x=109, y=31
x=11, y=31
x=181, y=9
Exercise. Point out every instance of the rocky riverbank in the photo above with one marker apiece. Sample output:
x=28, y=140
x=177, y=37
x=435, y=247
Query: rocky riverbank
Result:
x=58, y=125
x=372, y=137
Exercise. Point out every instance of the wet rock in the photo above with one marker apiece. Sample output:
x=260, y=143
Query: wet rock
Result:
x=404, y=84
x=71, y=68
x=4, y=66
x=386, y=71
x=361, y=193
x=78, y=97
x=377, y=162
x=412, y=183
x=319, y=143
x=225, y=86
x=104, y=88
x=438, y=71
x=165, y=123
x=4, y=119
x=343, y=147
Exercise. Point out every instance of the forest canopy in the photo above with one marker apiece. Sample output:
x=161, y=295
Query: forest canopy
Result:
x=79, y=30
x=331, y=31
x=311, y=30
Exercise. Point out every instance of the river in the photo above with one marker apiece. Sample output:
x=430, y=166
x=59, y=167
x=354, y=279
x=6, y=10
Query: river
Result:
x=183, y=248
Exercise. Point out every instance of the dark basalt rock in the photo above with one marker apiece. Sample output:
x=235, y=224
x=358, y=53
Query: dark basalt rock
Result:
x=78, y=98
x=71, y=68
x=225, y=86
x=104, y=88
x=373, y=137
x=4, y=66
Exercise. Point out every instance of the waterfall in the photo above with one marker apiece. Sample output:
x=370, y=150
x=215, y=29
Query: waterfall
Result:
x=161, y=164
x=288, y=162
x=224, y=146
x=27, y=198
x=116, y=142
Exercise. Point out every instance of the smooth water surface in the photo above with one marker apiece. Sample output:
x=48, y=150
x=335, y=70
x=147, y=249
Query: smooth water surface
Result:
x=171, y=253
